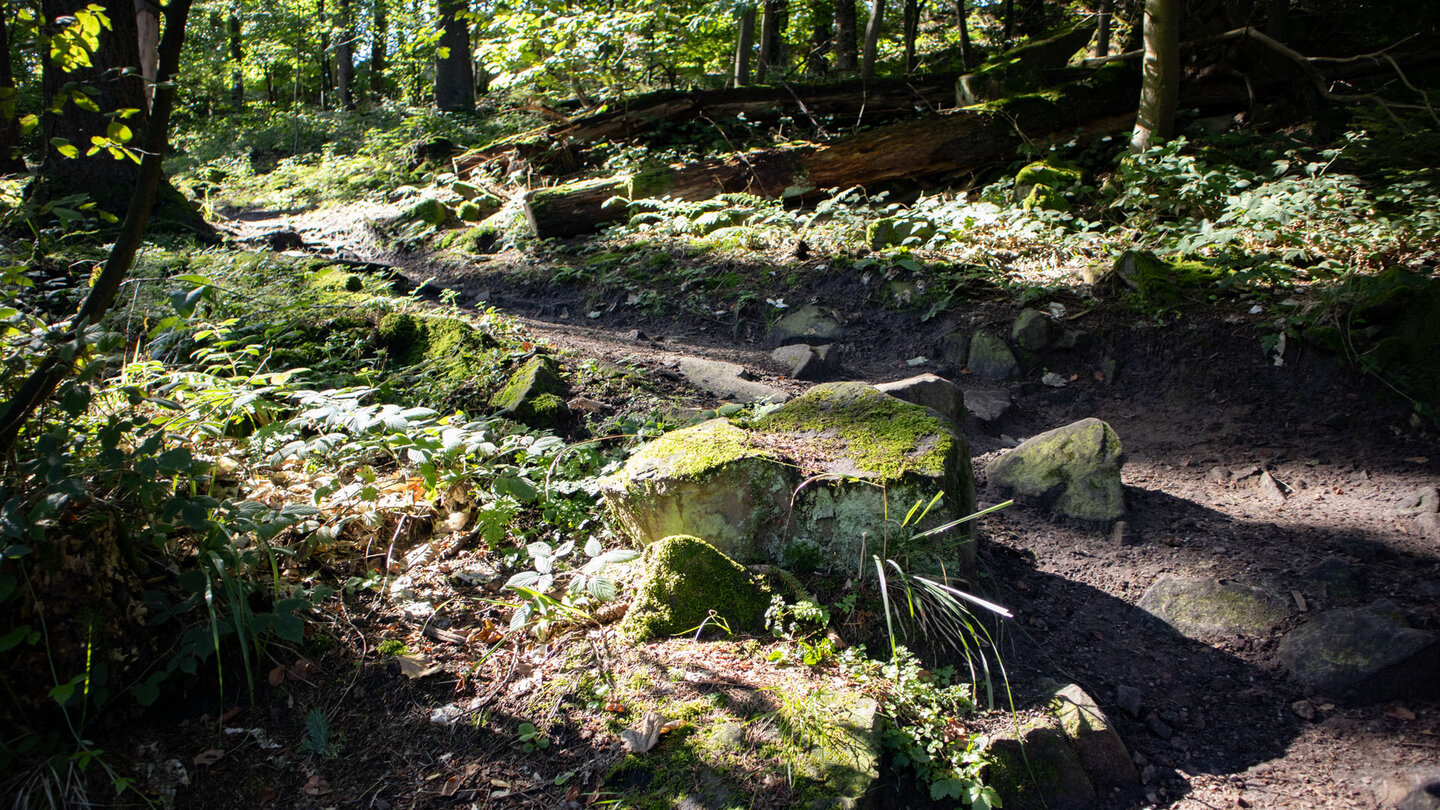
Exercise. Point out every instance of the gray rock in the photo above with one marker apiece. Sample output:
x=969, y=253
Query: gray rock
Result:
x=955, y=349
x=1364, y=654
x=1073, y=469
x=1425, y=797
x=811, y=324
x=1033, y=331
x=1092, y=736
x=934, y=392
x=991, y=358
x=806, y=362
x=532, y=395
x=988, y=406
x=1201, y=606
x=725, y=380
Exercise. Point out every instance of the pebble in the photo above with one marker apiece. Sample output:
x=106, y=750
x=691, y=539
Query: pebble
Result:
x=1129, y=699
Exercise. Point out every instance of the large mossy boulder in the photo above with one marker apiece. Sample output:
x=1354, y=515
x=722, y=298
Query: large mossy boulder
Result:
x=1075, y=470
x=836, y=470
x=689, y=582
x=1366, y=654
x=711, y=480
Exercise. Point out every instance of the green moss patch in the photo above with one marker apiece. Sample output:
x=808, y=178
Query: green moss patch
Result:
x=687, y=582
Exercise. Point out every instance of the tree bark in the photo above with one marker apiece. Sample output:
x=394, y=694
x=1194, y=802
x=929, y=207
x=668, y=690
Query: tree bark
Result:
x=964, y=140
x=11, y=159
x=147, y=26
x=345, y=59
x=744, y=44
x=454, y=84
x=1160, y=90
x=821, y=39
x=237, y=61
x=51, y=371
x=379, y=33
x=770, y=21
x=325, y=83
x=847, y=56
x=872, y=39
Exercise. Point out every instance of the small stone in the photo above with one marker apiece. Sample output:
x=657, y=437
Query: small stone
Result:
x=636, y=334
x=1158, y=727
x=1033, y=331
x=991, y=359
x=1219, y=475
x=955, y=349
x=1054, y=380
x=932, y=391
x=988, y=406
x=809, y=324
x=1271, y=488
x=1129, y=699
x=1303, y=709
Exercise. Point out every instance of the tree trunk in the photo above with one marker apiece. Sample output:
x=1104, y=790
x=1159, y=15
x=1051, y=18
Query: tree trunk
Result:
x=872, y=39
x=379, y=33
x=769, y=39
x=967, y=48
x=114, y=73
x=1008, y=30
x=237, y=57
x=847, y=52
x=744, y=44
x=1160, y=90
x=821, y=39
x=910, y=17
x=1102, y=29
x=1279, y=15
x=943, y=144
x=345, y=59
x=11, y=159
x=147, y=26
x=454, y=84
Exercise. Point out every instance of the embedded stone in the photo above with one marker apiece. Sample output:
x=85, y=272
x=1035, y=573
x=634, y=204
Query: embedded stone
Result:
x=991, y=358
x=932, y=391
x=1202, y=606
x=811, y=324
x=1033, y=331
x=1367, y=654
x=988, y=406
x=533, y=395
x=1039, y=769
x=726, y=381
x=688, y=582
x=1091, y=734
x=1075, y=470
x=806, y=362
x=955, y=349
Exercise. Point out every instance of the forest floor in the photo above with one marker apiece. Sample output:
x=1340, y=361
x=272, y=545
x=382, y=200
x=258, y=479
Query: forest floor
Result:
x=1202, y=411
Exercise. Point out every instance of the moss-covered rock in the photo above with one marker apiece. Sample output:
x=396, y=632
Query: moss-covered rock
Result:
x=1074, y=470
x=1039, y=769
x=1047, y=184
x=532, y=394
x=1201, y=606
x=1160, y=282
x=448, y=354
x=1366, y=654
x=839, y=467
x=710, y=480
x=429, y=211
x=686, y=581
x=898, y=232
x=991, y=358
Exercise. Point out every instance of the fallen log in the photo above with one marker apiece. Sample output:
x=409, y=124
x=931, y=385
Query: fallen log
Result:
x=815, y=106
x=960, y=140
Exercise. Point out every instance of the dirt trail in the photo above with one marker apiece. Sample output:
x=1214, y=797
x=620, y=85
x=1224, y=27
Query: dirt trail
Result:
x=1202, y=412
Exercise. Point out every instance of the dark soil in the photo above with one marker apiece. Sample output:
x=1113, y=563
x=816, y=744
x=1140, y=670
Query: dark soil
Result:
x=1201, y=409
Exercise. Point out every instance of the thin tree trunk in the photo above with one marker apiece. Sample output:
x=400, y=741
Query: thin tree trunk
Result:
x=454, y=84
x=847, y=54
x=1102, y=28
x=744, y=44
x=872, y=39
x=1008, y=12
x=379, y=34
x=325, y=84
x=345, y=59
x=967, y=48
x=769, y=39
x=11, y=160
x=911, y=20
x=237, y=58
x=1160, y=88
x=821, y=38
x=46, y=377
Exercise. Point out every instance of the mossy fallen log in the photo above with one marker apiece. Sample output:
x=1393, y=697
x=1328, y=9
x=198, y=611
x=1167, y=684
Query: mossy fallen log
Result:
x=958, y=141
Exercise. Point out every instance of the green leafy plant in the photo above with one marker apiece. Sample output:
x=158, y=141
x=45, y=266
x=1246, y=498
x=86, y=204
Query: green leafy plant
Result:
x=531, y=738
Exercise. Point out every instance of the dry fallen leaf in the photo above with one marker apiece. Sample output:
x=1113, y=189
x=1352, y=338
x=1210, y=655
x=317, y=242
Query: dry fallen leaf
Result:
x=277, y=676
x=417, y=666
x=643, y=737
x=451, y=785
x=316, y=786
x=210, y=757
x=1401, y=713
x=266, y=794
